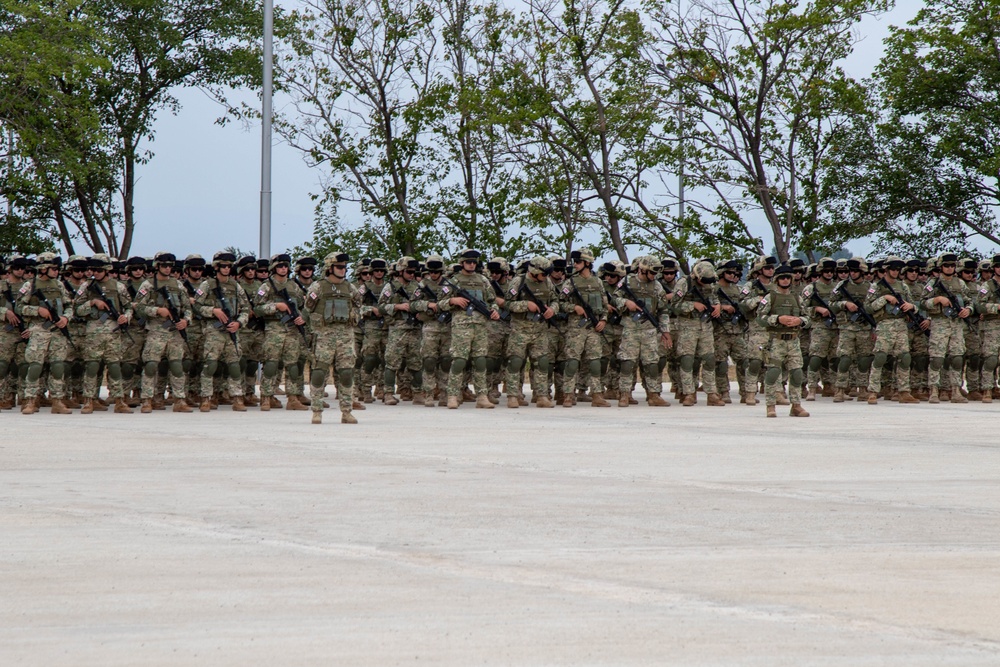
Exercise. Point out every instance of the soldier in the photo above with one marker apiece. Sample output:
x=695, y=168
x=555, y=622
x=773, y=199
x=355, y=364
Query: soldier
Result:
x=889, y=301
x=75, y=276
x=696, y=307
x=825, y=329
x=667, y=277
x=855, y=345
x=435, y=335
x=225, y=307
x=641, y=337
x=988, y=304
x=42, y=302
x=164, y=303
x=135, y=270
x=191, y=276
x=967, y=269
x=14, y=335
x=252, y=335
x=761, y=274
x=305, y=270
x=361, y=272
x=586, y=303
x=730, y=341
x=947, y=343
x=332, y=303
x=612, y=273
x=532, y=301
x=97, y=302
x=279, y=302
x=920, y=359
x=376, y=332
x=497, y=331
x=402, y=347
x=781, y=313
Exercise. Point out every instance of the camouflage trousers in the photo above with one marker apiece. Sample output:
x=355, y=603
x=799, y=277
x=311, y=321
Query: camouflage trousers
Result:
x=373, y=356
x=402, y=352
x=973, y=356
x=855, y=345
x=891, y=340
x=252, y=347
x=783, y=355
x=132, y=357
x=282, y=346
x=920, y=359
x=11, y=353
x=611, y=342
x=694, y=341
x=163, y=344
x=51, y=347
x=946, y=348
x=218, y=350
x=334, y=348
x=989, y=334
x=528, y=341
x=583, y=351
x=822, y=355
x=435, y=351
x=497, y=333
x=103, y=344
x=728, y=346
x=640, y=346
x=469, y=342
x=75, y=357
x=757, y=340
x=557, y=357
x=195, y=358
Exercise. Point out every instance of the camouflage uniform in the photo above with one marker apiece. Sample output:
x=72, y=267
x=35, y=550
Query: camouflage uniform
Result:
x=694, y=332
x=435, y=335
x=730, y=343
x=46, y=342
x=252, y=336
x=947, y=342
x=497, y=333
x=469, y=334
x=104, y=338
x=283, y=340
x=529, y=335
x=612, y=340
x=919, y=353
x=988, y=305
x=132, y=347
x=376, y=329
x=75, y=358
x=165, y=348
x=333, y=310
x=218, y=346
x=825, y=336
x=783, y=351
x=583, y=342
x=11, y=342
x=402, y=347
x=757, y=335
x=641, y=340
x=855, y=345
x=892, y=339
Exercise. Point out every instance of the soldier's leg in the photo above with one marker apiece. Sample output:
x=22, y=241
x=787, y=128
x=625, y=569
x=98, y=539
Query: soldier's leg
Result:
x=706, y=357
x=413, y=362
x=343, y=363
x=461, y=347
x=323, y=355
x=393, y=360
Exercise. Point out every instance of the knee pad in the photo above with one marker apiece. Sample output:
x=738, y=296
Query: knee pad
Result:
x=34, y=371
x=722, y=367
x=233, y=367
x=346, y=376
x=416, y=379
x=176, y=368
x=571, y=368
x=115, y=371
x=627, y=368
x=479, y=363
x=843, y=364
x=371, y=363
x=514, y=364
x=904, y=361
x=270, y=369
x=4, y=367
x=560, y=367
x=753, y=368
x=492, y=365
x=921, y=362
x=990, y=364
x=128, y=371
x=444, y=364
x=150, y=369
x=543, y=364
x=389, y=378
x=187, y=365
x=605, y=365
x=653, y=372
x=317, y=378
x=955, y=363
x=210, y=367
x=294, y=371
x=57, y=369
x=772, y=375
x=594, y=366
x=250, y=367
x=93, y=368
x=815, y=363
x=937, y=363
x=661, y=363
x=974, y=361
x=864, y=364
x=430, y=364
x=458, y=366
x=708, y=361
x=687, y=363
x=880, y=359
x=795, y=378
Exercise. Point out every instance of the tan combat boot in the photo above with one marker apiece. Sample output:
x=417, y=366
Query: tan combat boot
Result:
x=358, y=405
x=567, y=401
x=483, y=402
x=238, y=404
x=265, y=404
x=420, y=398
x=872, y=398
x=147, y=406
x=317, y=417
x=304, y=400
x=513, y=402
x=544, y=402
x=467, y=395
x=782, y=398
x=797, y=411
x=751, y=398
x=838, y=396
x=347, y=418
x=251, y=400
x=453, y=402
x=934, y=397
x=598, y=401
x=121, y=407
x=622, y=400
x=206, y=405
x=771, y=412
x=689, y=400
x=389, y=399
x=181, y=406
x=907, y=397
x=657, y=401
x=715, y=400
x=726, y=398
x=987, y=397
x=294, y=403
x=87, y=407
x=957, y=397
x=59, y=407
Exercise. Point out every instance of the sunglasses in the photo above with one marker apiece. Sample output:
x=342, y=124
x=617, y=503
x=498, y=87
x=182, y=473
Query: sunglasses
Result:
x=224, y=265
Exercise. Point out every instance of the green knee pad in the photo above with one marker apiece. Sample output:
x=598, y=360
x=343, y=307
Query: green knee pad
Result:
x=430, y=363
x=903, y=361
x=128, y=371
x=921, y=363
x=150, y=368
x=250, y=367
x=57, y=369
x=773, y=375
x=4, y=367
x=936, y=363
x=210, y=367
x=974, y=361
x=815, y=364
x=235, y=372
x=843, y=364
x=444, y=365
x=514, y=364
x=708, y=361
x=755, y=366
x=176, y=368
x=389, y=378
x=417, y=379
x=294, y=372
x=187, y=365
x=115, y=371
x=34, y=372
x=458, y=366
x=864, y=364
x=605, y=365
x=627, y=368
x=687, y=363
x=595, y=368
x=653, y=372
x=346, y=377
x=93, y=368
x=543, y=364
x=879, y=361
x=492, y=364
x=572, y=368
x=722, y=368
x=270, y=369
x=371, y=363
x=317, y=378
x=479, y=363
x=661, y=363
x=990, y=364
x=955, y=363
x=795, y=377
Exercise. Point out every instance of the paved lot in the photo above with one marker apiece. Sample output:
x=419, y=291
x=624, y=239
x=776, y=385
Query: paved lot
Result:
x=695, y=536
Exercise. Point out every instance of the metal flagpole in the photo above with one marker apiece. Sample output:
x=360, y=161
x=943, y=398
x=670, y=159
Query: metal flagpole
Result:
x=265, y=149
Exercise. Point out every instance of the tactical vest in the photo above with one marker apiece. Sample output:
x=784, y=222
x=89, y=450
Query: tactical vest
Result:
x=333, y=303
x=784, y=304
x=954, y=284
x=592, y=291
x=51, y=290
x=110, y=289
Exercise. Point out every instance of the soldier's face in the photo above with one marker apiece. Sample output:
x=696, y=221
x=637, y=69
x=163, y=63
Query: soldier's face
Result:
x=339, y=271
x=784, y=281
x=164, y=270
x=100, y=275
x=948, y=269
x=224, y=268
x=469, y=266
x=280, y=270
x=768, y=271
x=669, y=274
x=365, y=275
x=378, y=274
x=195, y=272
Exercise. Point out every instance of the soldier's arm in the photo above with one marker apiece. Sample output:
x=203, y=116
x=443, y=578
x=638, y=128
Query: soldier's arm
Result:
x=681, y=307
x=81, y=302
x=386, y=300
x=520, y=305
x=488, y=296
x=145, y=300
x=875, y=301
x=125, y=302
x=265, y=304
x=927, y=302
x=242, y=306
x=205, y=303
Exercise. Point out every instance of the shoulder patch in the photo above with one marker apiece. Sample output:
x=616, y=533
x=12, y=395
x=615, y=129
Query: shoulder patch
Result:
x=678, y=294
x=142, y=292
x=983, y=290
x=745, y=291
x=566, y=290
x=929, y=287
x=513, y=291
x=81, y=290
x=763, y=301
x=445, y=289
x=362, y=289
x=24, y=288
x=622, y=282
x=872, y=290
x=387, y=292
x=198, y=292
x=261, y=291
x=313, y=295
x=416, y=293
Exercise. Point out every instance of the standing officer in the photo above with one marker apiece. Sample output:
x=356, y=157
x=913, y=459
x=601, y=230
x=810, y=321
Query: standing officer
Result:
x=225, y=307
x=532, y=302
x=583, y=337
x=889, y=301
x=641, y=338
x=279, y=302
x=947, y=343
x=730, y=341
x=781, y=313
x=696, y=308
x=402, y=348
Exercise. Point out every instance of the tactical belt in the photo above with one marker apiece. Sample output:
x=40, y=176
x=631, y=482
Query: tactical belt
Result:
x=787, y=336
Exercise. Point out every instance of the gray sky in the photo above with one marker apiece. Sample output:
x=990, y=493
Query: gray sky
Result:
x=201, y=191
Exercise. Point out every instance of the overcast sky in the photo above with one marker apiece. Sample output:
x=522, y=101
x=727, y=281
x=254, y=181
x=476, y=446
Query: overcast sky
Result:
x=201, y=191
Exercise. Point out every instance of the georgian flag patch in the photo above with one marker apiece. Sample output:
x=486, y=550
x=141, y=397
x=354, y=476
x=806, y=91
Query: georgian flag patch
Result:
x=387, y=292
x=24, y=289
x=983, y=290
x=416, y=294
x=81, y=290
x=679, y=294
x=872, y=290
x=930, y=287
x=566, y=290
x=198, y=292
x=745, y=290
x=142, y=292
x=445, y=290
x=261, y=291
x=763, y=302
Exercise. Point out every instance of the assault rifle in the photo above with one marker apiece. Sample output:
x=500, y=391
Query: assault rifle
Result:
x=861, y=313
x=369, y=297
x=542, y=307
x=589, y=316
x=706, y=314
x=737, y=312
x=830, y=321
x=440, y=317
x=498, y=291
x=643, y=311
x=475, y=305
x=293, y=309
x=914, y=319
x=20, y=326
x=175, y=313
x=411, y=318
x=111, y=312
x=957, y=303
x=225, y=311
x=132, y=292
x=37, y=293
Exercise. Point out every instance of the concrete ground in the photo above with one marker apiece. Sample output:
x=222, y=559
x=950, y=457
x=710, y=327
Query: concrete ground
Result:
x=668, y=536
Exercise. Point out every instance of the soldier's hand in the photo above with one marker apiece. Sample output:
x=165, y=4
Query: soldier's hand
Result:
x=850, y=307
x=376, y=313
x=181, y=324
x=907, y=306
x=942, y=301
x=501, y=301
x=789, y=320
x=404, y=307
x=163, y=312
x=12, y=317
x=44, y=313
x=632, y=305
x=728, y=309
x=965, y=312
x=459, y=302
x=298, y=321
x=579, y=310
x=494, y=315
x=667, y=340
x=891, y=299
x=532, y=307
x=220, y=315
x=549, y=313
x=26, y=334
x=233, y=326
x=822, y=312
x=282, y=307
x=123, y=319
x=925, y=325
x=600, y=326
x=716, y=310
x=432, y=306
x=62, y=322
x=97, y=303
x=699, y=306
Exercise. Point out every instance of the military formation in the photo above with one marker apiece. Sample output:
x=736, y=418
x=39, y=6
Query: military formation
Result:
x=192, y=335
